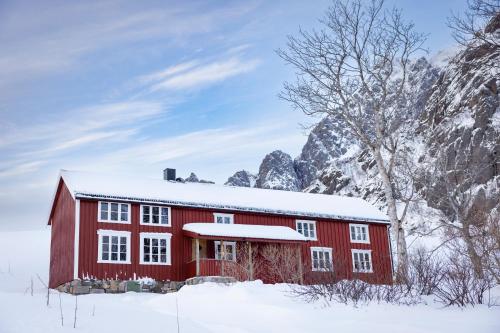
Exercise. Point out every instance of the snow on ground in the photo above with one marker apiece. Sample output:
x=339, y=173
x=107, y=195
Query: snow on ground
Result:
x=242, y=307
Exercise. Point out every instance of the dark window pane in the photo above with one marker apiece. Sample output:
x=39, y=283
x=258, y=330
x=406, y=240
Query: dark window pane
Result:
x=123, y=240
x=163, y=250
x=219, y=219
x=124, y=216
x=163, y=242
x=124, y=208
x=104, y=248
x=123, y=256
x=105, y=256
x=114, y=248
x=105, y=239
x=114, y=240
x=104, y=215
x=114, y=256
x=155, y=242
x=155, y=250
x=146, y=241
x=123, y=248
x=155, y=258
x=155, y=219
x=146, y=258
x=164, y=219
x=163, y=258
x=114, y=216
x=147, y=249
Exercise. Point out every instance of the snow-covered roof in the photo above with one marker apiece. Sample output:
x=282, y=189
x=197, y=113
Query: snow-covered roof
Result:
x=220, y=197
x=248, y=231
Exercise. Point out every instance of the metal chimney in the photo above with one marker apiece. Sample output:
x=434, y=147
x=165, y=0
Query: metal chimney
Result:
x=169, y=174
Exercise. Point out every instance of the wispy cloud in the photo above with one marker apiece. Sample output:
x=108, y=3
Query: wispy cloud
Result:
x=194, y=74
x=21, y=145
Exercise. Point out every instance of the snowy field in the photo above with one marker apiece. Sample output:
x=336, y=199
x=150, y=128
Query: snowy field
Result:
x=243, y=307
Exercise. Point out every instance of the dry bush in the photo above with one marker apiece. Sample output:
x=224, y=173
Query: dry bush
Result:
x=283, y=263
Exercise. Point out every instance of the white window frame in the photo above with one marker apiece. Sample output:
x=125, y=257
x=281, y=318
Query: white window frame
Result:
x=223, y=215
x=111, y=233
x=141, y=221
x=352, y=236
x=218, y=255
x=157, y=235
x=309, y=223
x=129, y=212
x=329, y=250
x=362, y=252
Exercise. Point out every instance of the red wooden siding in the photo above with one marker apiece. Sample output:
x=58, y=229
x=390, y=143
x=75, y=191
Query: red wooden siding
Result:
x=331, y=233
x=62, y=237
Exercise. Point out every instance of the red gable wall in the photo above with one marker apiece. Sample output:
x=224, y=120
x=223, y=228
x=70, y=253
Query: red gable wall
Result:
x=62, y=237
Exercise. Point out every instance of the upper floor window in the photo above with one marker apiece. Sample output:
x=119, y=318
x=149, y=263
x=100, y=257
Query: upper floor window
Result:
x=321, y=258
x=155, y=248
x=229, y=252
x=307, y=228
x=223, y=218
x=362, y=261
x=155, y=215
x=113, y=247
x=113, y=212
x=359, y=233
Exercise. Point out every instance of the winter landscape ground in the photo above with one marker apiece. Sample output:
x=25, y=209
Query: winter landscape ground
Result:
x=242, y=307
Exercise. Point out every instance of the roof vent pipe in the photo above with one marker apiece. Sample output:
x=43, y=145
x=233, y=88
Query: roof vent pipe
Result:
x=169, y=174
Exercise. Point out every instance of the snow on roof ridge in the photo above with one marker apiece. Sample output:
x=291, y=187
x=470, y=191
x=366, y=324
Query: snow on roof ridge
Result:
x=92, y=184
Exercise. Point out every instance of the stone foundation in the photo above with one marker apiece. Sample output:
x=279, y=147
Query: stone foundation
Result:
x=216, y=279
x=82, y=287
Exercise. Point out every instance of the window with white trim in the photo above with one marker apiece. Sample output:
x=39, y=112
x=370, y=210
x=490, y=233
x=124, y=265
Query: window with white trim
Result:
x=155, y=215
x=155, y=248
x=223, y=218
x=306, y=228
x=359, y=233
x=362, y=261
x=113, y=247
x=113, y=212
x=321, y=259
x=229, y=250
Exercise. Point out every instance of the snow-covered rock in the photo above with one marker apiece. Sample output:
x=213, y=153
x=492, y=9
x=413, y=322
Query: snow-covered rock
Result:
x=242, y=178
x=277, y=172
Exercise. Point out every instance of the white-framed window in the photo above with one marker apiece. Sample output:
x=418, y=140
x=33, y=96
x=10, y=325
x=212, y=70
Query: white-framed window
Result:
x=362, y=261
x=155, y=248
x=359, y=233
x=156, y=215
x=229, y=250
x=113, y=247
x=113, y=212
x=223, y=218
x=321, y=259
x=306, y=228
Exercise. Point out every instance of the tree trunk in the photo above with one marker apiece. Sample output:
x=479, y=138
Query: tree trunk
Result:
x=399, y=235
x=472, y=253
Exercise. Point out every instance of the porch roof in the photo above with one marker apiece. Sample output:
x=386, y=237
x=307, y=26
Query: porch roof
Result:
x=249, y=232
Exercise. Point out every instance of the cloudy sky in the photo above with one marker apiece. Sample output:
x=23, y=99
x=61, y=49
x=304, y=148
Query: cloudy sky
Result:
x=134, y=87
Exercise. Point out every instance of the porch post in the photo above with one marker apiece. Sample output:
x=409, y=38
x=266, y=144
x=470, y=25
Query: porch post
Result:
x=250, y=263
x=197, y=251
x=222, y=256
x=299, y=256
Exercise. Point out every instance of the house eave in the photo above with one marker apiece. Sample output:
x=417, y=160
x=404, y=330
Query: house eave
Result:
x=81, y=195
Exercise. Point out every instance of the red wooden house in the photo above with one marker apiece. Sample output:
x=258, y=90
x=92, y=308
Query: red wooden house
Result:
x=112, y=227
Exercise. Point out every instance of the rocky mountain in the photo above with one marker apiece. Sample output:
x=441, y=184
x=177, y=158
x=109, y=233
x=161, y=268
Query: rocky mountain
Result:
x=277, y=171
x=242, y=178
x=455, y=109
x=194, y=179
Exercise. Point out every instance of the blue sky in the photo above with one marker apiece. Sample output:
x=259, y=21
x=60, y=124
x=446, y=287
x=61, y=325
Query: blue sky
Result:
x=134, y=87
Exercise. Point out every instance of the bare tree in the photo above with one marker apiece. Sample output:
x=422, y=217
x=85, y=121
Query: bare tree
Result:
x=356, y=69
x=478, y=22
